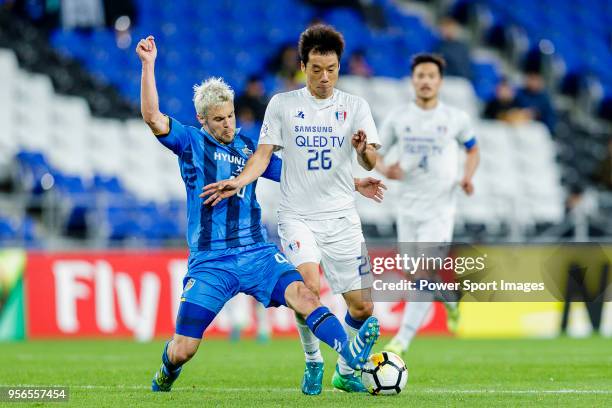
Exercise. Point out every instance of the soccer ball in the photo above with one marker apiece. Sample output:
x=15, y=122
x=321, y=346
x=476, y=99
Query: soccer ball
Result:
x=384, y=374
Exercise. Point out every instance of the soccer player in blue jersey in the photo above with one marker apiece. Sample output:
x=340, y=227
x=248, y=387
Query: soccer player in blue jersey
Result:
x=228, y=252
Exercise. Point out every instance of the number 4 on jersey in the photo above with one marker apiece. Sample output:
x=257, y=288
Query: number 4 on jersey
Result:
x=423, y=163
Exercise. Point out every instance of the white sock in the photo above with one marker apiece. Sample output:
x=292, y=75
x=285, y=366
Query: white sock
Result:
x=414, y=314
x=343, y=367
x=310, y=342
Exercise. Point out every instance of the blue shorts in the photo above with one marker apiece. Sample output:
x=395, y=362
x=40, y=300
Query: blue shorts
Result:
x=214, y=277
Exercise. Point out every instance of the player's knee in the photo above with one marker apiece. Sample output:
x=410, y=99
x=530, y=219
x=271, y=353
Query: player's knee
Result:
x=314, y=289
x=309, y=298
x=361, y=310
x=305, y=300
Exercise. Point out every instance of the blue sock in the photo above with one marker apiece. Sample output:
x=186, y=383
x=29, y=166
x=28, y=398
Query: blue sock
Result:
x=328, y=328
x=352, y=322
x=172, y=368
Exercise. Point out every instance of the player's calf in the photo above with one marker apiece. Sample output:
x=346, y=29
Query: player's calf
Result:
x=191, y=322
x=167, y=373
x=181, y=349
x=328, y=328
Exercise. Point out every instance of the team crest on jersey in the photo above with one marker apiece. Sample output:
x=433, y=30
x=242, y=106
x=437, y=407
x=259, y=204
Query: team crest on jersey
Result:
x=248, y=152
x=341, y=114
x=294, y=246
x=299, y=113
x=189, y=285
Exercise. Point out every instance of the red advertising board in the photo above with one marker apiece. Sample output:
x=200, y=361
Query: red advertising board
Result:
x=136, y=294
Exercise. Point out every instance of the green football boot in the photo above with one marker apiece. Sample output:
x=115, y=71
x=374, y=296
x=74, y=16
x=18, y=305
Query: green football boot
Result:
x=347, y=383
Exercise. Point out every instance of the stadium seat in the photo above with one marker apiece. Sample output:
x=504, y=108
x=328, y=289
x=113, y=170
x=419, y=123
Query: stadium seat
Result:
x=70, y=144
x=108, y=159
x=8, y=141
x=34, y=93
x=560, y=23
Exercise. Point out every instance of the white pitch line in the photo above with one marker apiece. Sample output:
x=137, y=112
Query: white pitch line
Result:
x=252, y=389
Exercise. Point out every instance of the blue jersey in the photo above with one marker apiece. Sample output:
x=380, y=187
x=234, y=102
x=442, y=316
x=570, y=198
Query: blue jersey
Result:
x=233, y=222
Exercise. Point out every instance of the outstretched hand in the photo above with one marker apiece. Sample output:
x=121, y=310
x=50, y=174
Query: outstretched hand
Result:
x=371, y=188
x=219, y=191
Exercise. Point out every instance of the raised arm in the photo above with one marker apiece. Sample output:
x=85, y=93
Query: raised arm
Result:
x=149, y=100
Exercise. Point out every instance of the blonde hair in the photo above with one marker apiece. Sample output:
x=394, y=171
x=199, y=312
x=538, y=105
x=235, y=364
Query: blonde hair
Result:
x=212, y=92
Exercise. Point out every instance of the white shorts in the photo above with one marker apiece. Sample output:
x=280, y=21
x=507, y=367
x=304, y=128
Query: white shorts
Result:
x=413, y=229
x=337, y=244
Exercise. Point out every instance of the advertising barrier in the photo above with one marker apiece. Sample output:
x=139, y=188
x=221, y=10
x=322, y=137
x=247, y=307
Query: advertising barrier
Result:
x=136, y=293
x=12, y=263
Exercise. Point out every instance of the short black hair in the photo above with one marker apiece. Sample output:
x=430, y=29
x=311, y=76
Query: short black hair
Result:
x=423, y=58
x=322, y=39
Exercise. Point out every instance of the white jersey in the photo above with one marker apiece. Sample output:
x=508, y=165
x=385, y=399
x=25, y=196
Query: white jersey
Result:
x=315, y=135
x=429, y=143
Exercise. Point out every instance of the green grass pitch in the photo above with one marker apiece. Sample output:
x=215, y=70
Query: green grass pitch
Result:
x=442, y=372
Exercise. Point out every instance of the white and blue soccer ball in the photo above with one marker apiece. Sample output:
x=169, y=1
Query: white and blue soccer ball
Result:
x=385, y=373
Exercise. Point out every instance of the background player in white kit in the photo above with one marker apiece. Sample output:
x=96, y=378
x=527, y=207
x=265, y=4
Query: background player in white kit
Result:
x=429, y=134
x=321, y=130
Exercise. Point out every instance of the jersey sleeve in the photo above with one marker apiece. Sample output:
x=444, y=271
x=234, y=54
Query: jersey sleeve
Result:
x=177, y=137
x=466, y=135
x=271, y=130
x=388, y=135
x=364, y=120
x=273, y=171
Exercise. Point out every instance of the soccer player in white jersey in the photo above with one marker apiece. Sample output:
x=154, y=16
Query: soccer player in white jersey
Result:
x=322, y=131
x=429, y=134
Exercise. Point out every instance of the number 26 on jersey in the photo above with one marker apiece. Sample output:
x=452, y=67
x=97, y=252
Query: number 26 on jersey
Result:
x=319, y=159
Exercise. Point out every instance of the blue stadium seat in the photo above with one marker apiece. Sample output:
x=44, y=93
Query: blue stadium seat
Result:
x=33, y=167
x=486, y=78
x=107, y=184
x=8, y=229
x=580, y=34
